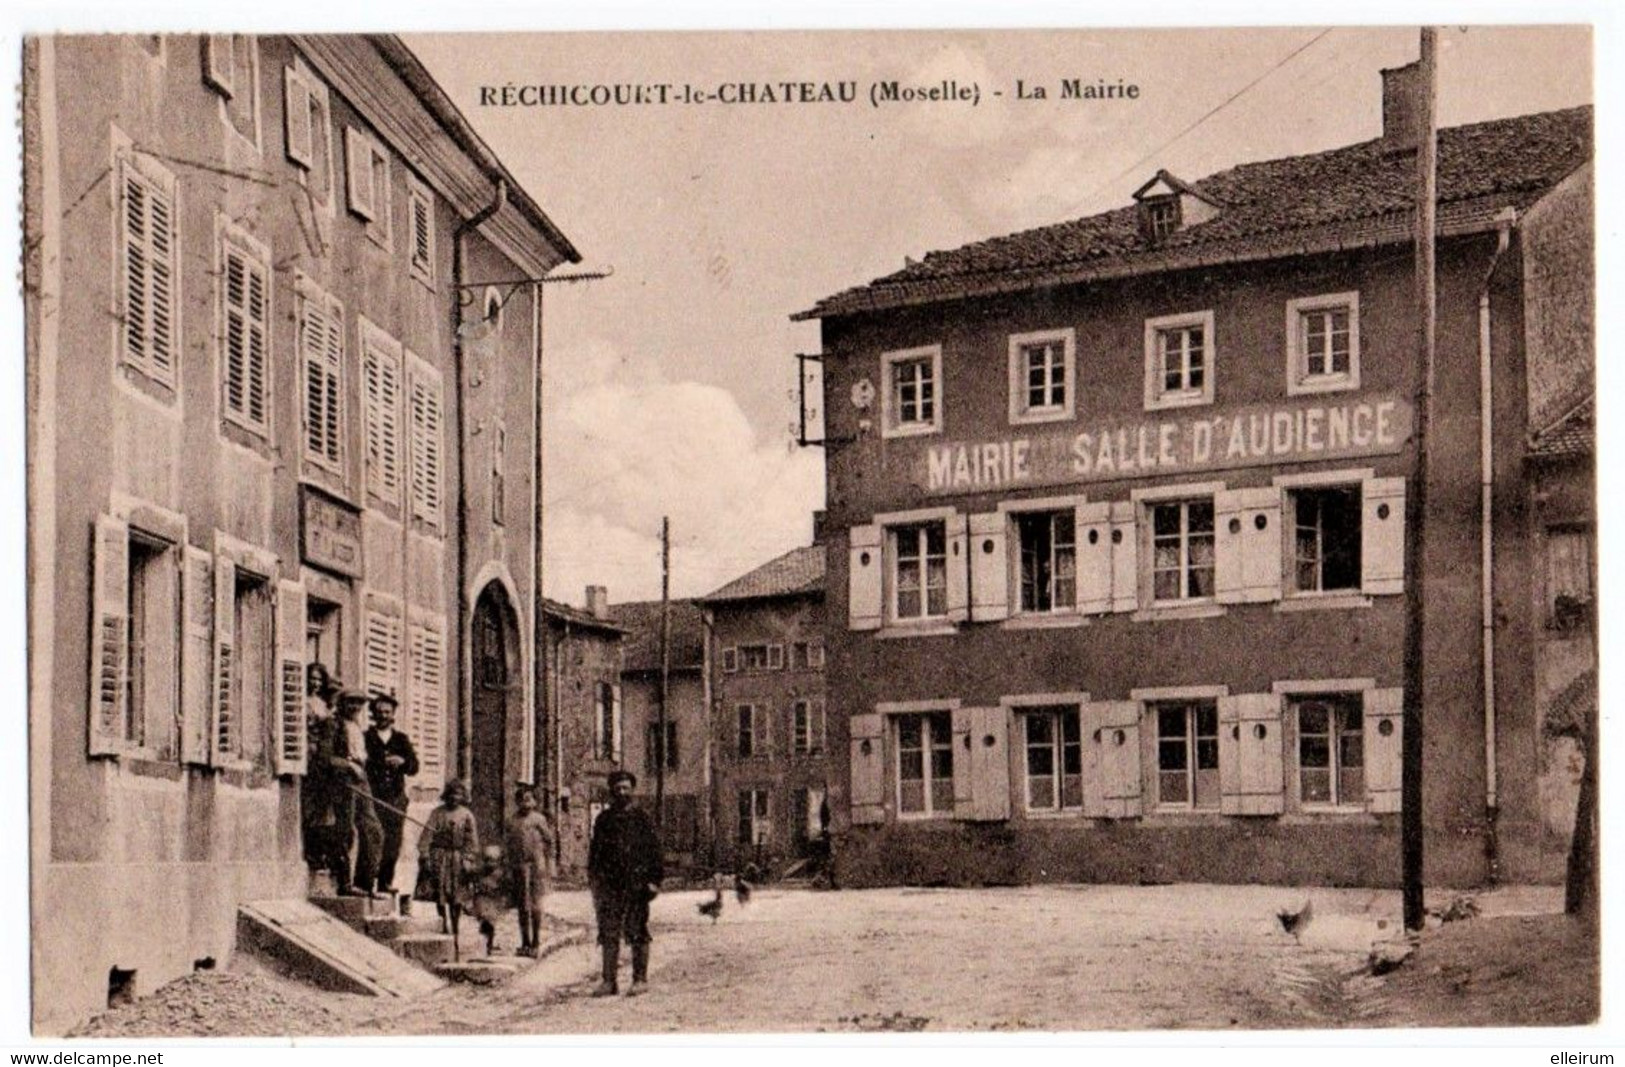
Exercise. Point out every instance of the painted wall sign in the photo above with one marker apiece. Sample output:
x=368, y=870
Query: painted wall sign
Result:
x=331, y=533
x=1176, y=443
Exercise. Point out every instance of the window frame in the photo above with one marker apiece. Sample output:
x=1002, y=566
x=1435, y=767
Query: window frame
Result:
x=760, y=733
x=1191, y=739
x=1299, y=380
x=1055, y=713
x=230, y=85
x=308, y=295
x=315, y=97
x=256, y=254
x=1157, y=396
x=1022, y=411
x=893, y=573
x=1290, y=587
x=128, y=163
x=890, y=422
x=1149, y=569
x=377, y=212
x=811, y=711
x=1341, y=699
x=417, y=193
x=760, y=816
x=930, y=746
x=1016, y=517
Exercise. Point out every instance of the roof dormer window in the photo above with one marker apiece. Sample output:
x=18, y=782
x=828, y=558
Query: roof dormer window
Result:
x=1159, y=217
x=1168, y=205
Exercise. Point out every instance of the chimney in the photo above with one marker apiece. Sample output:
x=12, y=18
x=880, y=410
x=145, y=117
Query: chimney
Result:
x=1400, y=111
x=598, y=601
x=818, y=526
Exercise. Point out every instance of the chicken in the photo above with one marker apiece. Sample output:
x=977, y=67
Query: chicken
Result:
x=741, y=890
x=712, y=907
x=1296, y=922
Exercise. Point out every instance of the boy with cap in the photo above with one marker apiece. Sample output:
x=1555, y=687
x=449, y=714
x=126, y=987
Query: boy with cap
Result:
x=353, y=796
x=624, y=869
x=527, y=848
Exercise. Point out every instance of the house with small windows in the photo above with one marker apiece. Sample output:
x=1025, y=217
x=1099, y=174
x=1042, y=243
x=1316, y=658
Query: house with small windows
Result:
x=671, y=752
x=580, y=724
x=1117, y=526
x=282, y=347
x=771, y=749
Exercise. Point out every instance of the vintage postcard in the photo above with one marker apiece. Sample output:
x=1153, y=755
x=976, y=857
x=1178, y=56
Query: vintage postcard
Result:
x=830, y=531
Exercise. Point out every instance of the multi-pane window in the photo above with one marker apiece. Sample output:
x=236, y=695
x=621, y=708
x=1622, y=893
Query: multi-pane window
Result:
x=1182, y=355
x=807, y=727
x=919, y=570
x=1182, y=550
x=1048, y=560
x=1323, y=343
x=1326, y=539
x=1161, y=217
x=753, y=730
x=1188, y=754
x=321, y=355
x=753, y=657
x=1045, y=366
x=245, y=311
x=913, y=400
x=807, y=655
x=1331, y=749
x=1179, y=360
x=753, y=817
x=149, y=293
x=660, y=748
x=925, y=764
x=1054, y=741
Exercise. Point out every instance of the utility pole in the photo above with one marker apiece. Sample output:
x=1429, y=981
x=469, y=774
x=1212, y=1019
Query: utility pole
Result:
x=1411, y=823
x=665, y=673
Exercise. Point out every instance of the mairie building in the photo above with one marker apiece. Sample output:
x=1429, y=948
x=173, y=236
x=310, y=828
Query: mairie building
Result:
x=1117, y=527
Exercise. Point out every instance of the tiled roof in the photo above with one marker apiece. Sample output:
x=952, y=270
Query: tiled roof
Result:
x=1572, y=435
x=800, y=570
x=642, y=622
x=556, y=609
x=1351, y=197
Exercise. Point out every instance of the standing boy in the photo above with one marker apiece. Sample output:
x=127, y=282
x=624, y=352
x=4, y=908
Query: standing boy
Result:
x=527, y=849
x=624, y=870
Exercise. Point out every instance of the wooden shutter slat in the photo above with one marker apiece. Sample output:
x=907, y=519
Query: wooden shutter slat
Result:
x=1125, y=557
x=868, y=788
x=1093, y=526
x=1382, y=536
x=288, y=741
x=1251, y=777
x=110, y=635
x=990, y=567
x=1383, y=750
x=863, y=578
x=958, y=569
x=296, y=117
x=197, y=660
x=222, y=712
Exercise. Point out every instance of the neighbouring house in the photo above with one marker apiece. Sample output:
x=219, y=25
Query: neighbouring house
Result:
x=683, y=750
x=771, y=766
x=277, y=413
x=581, y=719
x=1117, y=525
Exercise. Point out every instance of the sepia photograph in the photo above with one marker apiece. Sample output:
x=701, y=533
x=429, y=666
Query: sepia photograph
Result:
x=824, y=531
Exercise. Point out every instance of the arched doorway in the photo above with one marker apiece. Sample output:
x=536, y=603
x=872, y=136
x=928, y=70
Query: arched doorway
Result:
x=497, y=699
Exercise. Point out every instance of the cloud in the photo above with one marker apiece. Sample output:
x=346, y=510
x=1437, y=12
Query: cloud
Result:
x=628, y=447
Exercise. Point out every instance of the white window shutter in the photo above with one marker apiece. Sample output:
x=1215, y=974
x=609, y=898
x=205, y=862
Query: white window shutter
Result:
x=426, y=457
x=427, y=698
x=296, y=117
x=989, y=756
x=1382, y=536
x=110, y=638
x=223, y=710
x=863, y=579
x=868, y=796
x=1093, y=526
x=990, y=567
x=964, y=787
x=1125, y=557
x=1092, y=719
x=381, y=379
x=1250, y=754
x=197, y=654
x=1383, y=731
x=288, y=742
x=1118, y=744
x=958, y=569
x=358, y=173
x=220, y=62
x=420, y=219
x=1249, y=545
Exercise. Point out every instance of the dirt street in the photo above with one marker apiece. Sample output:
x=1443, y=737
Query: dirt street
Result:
x=1043, y=958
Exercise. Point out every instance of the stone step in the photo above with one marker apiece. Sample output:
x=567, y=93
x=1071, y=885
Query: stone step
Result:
x=356, y=910
x=430, y=950
x=386, y=927
x=483, y=971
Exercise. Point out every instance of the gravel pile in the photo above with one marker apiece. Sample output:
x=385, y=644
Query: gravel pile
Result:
x=227, y=1004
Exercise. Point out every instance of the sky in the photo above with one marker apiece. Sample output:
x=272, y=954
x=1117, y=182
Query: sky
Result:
x=670, y=386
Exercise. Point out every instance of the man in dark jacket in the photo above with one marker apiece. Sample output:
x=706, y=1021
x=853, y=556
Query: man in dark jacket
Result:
x=318, y=820
x=624, y=870
x=390, y=762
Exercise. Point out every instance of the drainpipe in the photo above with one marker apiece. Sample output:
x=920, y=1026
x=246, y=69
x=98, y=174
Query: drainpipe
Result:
x=465, y=713
x=1486, y=473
